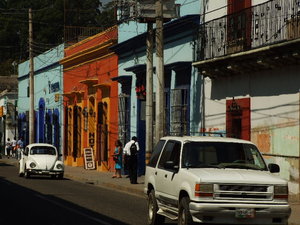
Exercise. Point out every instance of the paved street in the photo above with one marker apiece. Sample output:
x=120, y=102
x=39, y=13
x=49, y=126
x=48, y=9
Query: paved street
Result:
x=41, y=200
x=95, y=199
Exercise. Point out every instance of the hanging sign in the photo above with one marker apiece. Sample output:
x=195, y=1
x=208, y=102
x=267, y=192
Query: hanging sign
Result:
x=89, y=162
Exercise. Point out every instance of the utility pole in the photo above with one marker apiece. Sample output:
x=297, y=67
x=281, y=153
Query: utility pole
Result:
x=160, y=101
x=149, y=91
x=31, y=81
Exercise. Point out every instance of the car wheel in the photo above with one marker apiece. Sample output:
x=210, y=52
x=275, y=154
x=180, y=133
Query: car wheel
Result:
x=184, y=217
x=60, y=176
x=153, y=217
x=26, y=174
x=20, y=173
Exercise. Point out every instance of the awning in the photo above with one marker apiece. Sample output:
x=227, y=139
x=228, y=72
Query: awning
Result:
x=122, y=79
x=71, y=94
x=90, y=81
x=178, y=65
x=136, y=68
x=102, y=86
x=125, y=81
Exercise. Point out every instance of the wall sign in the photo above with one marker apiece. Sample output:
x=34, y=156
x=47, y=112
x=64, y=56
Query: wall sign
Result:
x=89, y=162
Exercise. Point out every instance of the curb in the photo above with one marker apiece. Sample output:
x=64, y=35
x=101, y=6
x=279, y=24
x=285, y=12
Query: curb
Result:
x=130, y=190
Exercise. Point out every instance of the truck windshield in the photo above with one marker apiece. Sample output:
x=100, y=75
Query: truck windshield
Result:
x=221, y=155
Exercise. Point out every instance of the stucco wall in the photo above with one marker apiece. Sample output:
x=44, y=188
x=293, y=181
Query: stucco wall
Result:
x=48, y=82
x=216, y=9
x=275, y=114
x=132, y=28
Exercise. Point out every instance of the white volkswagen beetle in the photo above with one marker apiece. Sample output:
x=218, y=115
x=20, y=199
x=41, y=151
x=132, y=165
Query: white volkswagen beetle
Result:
x=41, y=159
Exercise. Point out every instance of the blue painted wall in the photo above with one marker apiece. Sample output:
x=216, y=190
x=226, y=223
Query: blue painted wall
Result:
x=48, y=83
x=178, y=47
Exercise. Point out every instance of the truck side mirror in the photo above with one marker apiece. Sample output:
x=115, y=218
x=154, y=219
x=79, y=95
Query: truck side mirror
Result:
x=170, y=165
x=274, y=168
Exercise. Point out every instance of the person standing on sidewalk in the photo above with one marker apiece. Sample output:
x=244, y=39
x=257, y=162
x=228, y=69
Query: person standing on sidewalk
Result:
x=20, y=146
x=8, y=148
x=131, y=150
x=14, y=147
x=118, y=159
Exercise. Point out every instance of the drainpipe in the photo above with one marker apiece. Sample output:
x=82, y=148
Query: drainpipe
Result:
x=203, y=125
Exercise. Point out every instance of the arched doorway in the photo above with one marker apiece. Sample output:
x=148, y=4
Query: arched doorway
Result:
x=238, y=118
x=102, y=132
x=41, y=121
x=77, y=112
x=48, y=127
x=56, y=130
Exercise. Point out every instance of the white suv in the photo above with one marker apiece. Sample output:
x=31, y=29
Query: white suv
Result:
x=213, y=180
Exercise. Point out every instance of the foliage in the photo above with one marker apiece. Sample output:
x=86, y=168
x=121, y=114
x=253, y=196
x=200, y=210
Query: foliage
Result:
x=50, y=17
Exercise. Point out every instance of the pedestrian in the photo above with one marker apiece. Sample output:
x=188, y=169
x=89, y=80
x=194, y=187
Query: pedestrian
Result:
x=20, y=146
x=117, y=156
x=8, y=148
x=131, y=150
x=14, y=147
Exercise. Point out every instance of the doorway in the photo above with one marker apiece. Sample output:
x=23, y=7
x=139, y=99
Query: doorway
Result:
x=238, y=121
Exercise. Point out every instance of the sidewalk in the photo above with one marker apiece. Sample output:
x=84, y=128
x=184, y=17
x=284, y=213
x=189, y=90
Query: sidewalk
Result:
x=104, y=179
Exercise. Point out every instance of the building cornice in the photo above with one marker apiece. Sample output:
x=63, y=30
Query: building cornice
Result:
x=88, y=55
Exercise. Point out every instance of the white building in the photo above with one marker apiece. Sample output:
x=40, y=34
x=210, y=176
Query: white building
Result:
x=249, y=60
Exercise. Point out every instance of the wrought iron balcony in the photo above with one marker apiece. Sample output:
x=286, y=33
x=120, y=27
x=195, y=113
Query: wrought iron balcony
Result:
x=270, y=23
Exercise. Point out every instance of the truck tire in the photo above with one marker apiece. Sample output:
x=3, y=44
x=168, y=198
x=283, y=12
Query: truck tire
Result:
x=153, y=217
x=184, y=215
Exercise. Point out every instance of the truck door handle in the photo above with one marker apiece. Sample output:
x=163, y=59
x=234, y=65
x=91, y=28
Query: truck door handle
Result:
x=155, y=173
x=166, y=175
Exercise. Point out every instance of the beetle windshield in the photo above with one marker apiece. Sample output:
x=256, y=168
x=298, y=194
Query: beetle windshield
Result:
x=221, y=155
x=42, y=150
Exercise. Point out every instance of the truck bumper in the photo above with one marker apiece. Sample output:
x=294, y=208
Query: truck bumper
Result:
x=226, y=213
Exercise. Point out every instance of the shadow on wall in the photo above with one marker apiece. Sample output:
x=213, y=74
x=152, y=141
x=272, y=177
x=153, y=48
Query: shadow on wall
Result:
x=264, y=83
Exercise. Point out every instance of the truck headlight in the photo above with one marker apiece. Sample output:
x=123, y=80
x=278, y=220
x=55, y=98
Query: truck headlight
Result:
x=281, y=192
x=204, y=190
x=32, y=165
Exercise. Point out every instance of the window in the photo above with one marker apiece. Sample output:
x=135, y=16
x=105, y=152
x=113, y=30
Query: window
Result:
x=42, y=151
x=171, y=153
x=221, y=155
x=180, y=117
x=156, y=152
x=26, y=151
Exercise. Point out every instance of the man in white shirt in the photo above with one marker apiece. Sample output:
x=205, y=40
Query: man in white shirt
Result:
x=131, y=150
x=13, y=147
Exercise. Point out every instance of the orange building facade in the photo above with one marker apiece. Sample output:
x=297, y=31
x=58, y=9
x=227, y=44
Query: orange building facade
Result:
x=91, y=101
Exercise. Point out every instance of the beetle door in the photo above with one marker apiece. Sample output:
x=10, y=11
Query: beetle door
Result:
x=24, y=156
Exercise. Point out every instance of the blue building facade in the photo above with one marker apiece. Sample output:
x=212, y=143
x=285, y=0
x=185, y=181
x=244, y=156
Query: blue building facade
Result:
x=180, y=44
x=48, y=105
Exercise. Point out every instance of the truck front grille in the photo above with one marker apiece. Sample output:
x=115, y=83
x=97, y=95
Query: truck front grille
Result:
x=243, y=192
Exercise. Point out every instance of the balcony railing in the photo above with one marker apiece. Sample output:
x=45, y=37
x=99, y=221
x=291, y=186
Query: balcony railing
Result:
x=261, y=25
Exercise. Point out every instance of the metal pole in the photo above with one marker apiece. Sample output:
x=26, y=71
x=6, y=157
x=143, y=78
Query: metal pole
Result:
x=149, y=91
x=299, y=150
x=31, y=81
x=160, y=101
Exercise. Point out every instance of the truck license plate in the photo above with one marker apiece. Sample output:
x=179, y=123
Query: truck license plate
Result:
x=244, y=213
